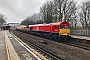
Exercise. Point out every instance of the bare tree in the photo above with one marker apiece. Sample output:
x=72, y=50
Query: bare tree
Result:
x=59, y=10
x=34, y=19
x=46, y=12
x=43, y=12
x=65, y=9
x=28, y=21
x=85, y=15
x=2, y=19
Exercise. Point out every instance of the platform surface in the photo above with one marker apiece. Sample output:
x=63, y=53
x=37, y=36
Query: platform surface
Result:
x=80, y=37
x=16, y=51
x=3, y=54
x=21, y=52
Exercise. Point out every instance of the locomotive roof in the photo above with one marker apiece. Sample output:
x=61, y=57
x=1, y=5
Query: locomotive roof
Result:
x=57, y=23
x=39, y=24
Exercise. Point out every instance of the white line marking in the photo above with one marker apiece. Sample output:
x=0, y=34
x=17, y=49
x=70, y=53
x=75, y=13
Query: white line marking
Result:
x=28, y=49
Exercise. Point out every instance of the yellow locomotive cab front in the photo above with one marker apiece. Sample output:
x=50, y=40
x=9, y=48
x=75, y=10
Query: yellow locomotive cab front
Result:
x=64, y=32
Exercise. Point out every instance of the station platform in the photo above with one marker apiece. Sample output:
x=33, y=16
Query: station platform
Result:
x=80, y=37
x=3, y=54
x=11, y=49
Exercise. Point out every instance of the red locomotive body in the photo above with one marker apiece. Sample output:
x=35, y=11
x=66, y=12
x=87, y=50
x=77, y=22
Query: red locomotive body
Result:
x=52, y=27
x=57, y=30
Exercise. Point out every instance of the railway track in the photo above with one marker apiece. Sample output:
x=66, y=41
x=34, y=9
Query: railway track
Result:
x=78, y=45
x=75, y=43
x=48, y=54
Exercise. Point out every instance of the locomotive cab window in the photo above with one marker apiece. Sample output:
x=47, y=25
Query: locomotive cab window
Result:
x=61, y=27
x=64, y=27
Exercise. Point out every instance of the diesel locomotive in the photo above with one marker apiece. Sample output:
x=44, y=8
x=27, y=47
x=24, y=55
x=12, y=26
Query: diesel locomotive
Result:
x=59, y=31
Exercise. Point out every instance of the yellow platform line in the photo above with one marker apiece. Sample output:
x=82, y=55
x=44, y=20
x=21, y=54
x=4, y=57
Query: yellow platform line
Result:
x=7, y=50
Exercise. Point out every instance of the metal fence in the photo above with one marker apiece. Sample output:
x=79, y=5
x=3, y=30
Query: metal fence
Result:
x=80, y=32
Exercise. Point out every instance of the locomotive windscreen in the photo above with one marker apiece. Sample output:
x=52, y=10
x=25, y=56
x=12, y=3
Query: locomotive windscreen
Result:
x=64, y=27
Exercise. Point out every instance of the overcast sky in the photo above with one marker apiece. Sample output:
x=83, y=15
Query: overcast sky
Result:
x=18, y=10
